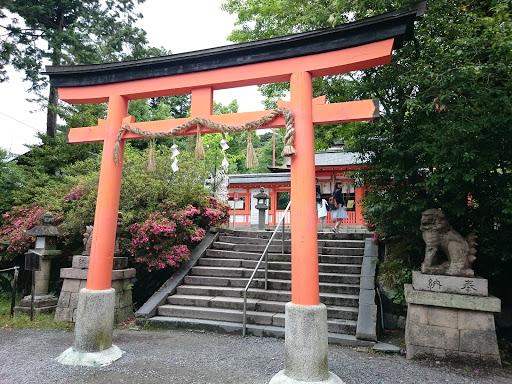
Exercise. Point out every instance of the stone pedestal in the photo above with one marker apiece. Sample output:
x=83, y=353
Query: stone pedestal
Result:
x=451, y=318
x=306, y=346
x=42, y=304
x=75, y=278
x=92, y=344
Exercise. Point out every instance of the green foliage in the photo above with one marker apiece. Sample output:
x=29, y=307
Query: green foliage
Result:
x=446, y=118
x=265, y=152
x=22, y=321
x=143, y=191
x=260, y=19
x=11, y=180
x=445, y=132
x=76, y=32
x=395, y=271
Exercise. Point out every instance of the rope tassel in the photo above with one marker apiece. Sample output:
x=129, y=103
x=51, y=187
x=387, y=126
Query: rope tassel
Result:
x=151, y=157
x=289, y=136
x=199, y=155
x=251, y=160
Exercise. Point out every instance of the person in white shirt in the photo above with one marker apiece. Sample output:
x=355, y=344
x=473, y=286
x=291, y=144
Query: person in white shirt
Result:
x=321, y=208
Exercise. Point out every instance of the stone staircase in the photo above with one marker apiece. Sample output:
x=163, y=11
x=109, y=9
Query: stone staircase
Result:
x=211, y=296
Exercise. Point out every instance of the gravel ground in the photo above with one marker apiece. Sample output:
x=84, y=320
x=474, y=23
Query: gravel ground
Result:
x=27, y=356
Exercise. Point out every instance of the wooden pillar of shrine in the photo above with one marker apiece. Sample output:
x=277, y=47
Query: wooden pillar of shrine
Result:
x=96, y=303
x=306, y=340
x=305, y=290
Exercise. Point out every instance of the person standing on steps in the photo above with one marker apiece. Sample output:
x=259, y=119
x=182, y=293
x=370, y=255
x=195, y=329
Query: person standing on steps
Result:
x=338, y=207
x=321, y=208
x=318, y=194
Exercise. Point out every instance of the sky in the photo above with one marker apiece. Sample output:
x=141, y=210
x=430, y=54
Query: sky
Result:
x=176, y=25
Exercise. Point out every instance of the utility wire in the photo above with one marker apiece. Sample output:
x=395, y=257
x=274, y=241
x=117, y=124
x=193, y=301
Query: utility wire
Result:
x=21, y=122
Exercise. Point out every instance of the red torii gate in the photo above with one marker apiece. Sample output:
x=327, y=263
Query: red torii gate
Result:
x=355, y=46
x=306, y=110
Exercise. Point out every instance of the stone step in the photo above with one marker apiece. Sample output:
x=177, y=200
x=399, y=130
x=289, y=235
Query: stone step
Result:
x=276, y=265
x=219, y=314
x=278, y=242
x=328, y=298
x=225, y=254
x=347, y=327
x=347, y=313
x=229, y=254
x=240, y=276
x=341, y=243
x=254, y=248
x=232, y=328
x=251, y=240
x=253, y=317
x=341, y=251
x=276, y=270
x=259, y=248
x=277, y=285
x=340, y=259
x=353, y=233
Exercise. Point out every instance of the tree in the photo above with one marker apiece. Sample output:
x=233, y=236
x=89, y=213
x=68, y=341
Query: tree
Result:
x=68, y=32
x=446, y=118
x=260, y=19
x=10, y=180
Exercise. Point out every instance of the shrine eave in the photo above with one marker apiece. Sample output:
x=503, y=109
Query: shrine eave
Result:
x=397, y=25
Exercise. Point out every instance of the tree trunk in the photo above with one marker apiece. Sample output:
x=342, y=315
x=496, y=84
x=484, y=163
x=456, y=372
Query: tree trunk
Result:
x=51, y=115
x=53, y=97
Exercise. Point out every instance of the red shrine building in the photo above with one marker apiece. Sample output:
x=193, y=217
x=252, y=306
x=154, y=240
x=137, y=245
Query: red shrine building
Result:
x=331, y=166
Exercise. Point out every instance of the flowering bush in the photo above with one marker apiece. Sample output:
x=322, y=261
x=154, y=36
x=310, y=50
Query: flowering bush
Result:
x=14, y=241
x=164, y=239
x=75, y=193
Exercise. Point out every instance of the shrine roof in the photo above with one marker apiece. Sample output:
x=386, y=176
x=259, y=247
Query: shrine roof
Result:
x=336, y=157
x=329, y=158
x=397, y=25
x=259, y=178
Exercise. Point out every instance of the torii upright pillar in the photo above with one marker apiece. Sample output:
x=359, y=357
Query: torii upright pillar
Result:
x=92, y=344
x=306, y=338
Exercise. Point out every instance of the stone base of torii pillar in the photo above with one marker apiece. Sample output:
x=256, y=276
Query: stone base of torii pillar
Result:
x=306, y=347
x=92, y=345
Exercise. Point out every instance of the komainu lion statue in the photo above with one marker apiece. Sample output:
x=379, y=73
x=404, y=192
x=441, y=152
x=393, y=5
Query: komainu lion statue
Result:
x=440, y=236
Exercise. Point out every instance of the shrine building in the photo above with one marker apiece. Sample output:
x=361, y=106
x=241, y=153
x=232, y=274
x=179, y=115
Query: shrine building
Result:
x=331, y=166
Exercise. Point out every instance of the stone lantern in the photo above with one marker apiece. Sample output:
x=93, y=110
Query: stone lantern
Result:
x=261, y=206
x=46, y=245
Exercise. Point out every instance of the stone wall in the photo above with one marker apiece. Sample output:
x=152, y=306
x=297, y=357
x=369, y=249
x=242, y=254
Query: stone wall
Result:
x=451, y=334
x=448, y=326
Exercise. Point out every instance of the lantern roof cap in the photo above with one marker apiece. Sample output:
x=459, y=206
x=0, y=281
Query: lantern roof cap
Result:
x=46, y=228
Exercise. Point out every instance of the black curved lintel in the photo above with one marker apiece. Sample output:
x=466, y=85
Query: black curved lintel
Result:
x=398, y=25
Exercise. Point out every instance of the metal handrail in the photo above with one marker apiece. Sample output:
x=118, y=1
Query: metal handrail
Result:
x=264, y=255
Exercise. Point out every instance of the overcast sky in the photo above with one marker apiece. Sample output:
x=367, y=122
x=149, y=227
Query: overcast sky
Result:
x=177, y=25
